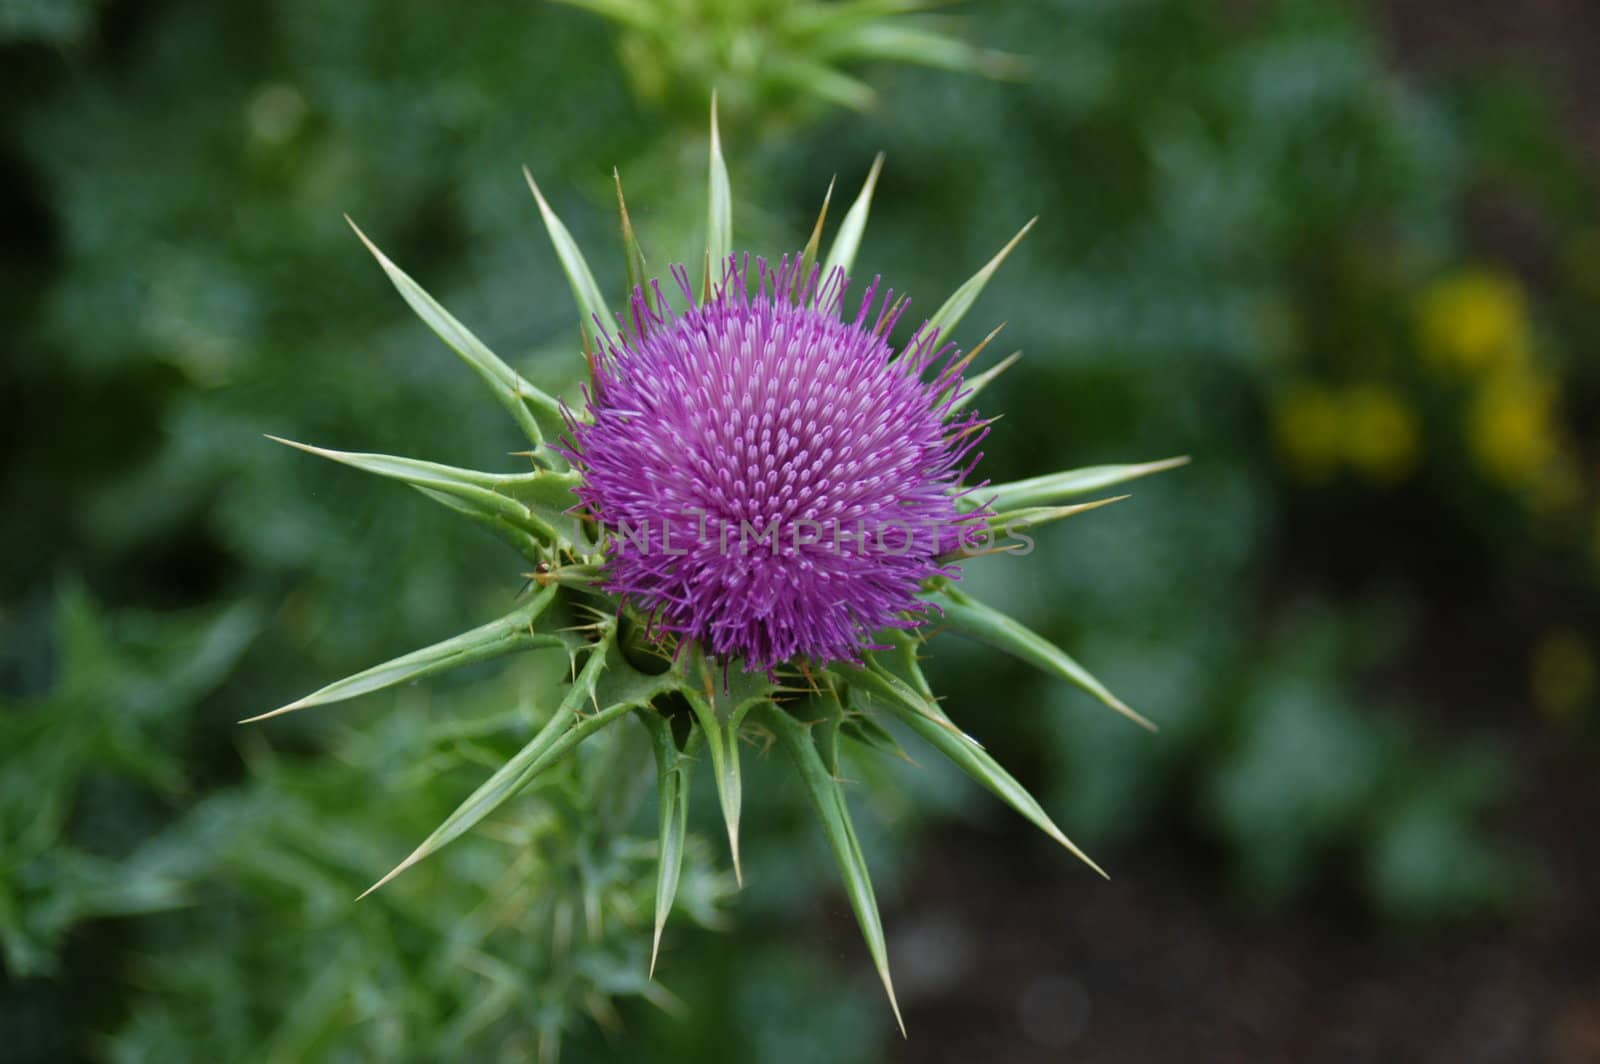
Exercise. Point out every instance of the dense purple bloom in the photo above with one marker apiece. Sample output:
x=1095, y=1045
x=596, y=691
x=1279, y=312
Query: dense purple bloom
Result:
x=775, y=481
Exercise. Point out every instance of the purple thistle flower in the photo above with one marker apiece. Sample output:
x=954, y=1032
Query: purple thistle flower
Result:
x=776, y=482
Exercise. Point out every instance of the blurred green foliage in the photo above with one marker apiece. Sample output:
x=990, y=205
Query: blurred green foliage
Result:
x=62, y=21
x=536, y=921
x=96, y=757
x=1260, y=245
x=1230, y=207
x=778, y=62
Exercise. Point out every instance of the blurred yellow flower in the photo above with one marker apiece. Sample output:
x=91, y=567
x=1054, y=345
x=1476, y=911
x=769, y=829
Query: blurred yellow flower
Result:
x=1367, y=427
x=1563, y=674
x=1474, y=321
x=1306, y=424
x=1379, y=432
x=1510, y=427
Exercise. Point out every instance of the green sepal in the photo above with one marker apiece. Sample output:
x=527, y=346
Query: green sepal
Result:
x=903, y=659
x=721, y=726
x=847, y=241
x=606, y=682
x=966, y=615
x=973, y=386
x=861, y=728
x=1051, y=489
x=511, y=633
x=923, y=717
x=632, y=257
x=673, y=776
x=511, y=389
x=523, y=542
x=829, y=713
x=719, y=212
x=948, y=316
x=827, y=798
x=1012, y=521
x=585, y=292
x=533, y=504
x=808, y=257
x=844, y=717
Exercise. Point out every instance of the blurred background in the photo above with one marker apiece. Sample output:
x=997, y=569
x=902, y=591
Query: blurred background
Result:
x=1347, y=255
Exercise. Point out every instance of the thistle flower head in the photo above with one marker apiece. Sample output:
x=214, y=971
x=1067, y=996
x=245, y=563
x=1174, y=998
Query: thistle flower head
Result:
x=777, y=480
x=778, y=483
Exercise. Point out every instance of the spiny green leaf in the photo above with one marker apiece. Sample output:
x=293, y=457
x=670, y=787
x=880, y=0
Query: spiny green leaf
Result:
x=834, y=814
x=842, y=714
x=722, y=740
x=738, y=692
x=904, y=658
x=544, y=491
x=672, y=794
x=827, y=726
x=719, y=211
x=632, y=255
x=1050, y=489
x=947, y=317
x=591, y=304
x=724, y=750
x=567, y=727
x=962, y=364
x=808, y=257
x=557, y=736
x=509, y=386
x=535, y=502
x=972, y=386
x=880, y=683
x=514, y=631
x=969, y=755
x=520, y=539
x=866, y=731
x=986, y=624
x=1012, y=521
x=623, y=684
x=847, y=241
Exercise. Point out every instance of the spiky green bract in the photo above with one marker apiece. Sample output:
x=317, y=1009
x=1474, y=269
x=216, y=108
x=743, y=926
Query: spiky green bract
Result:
x=695, y=710
x=827, y=798
x=673, y=775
